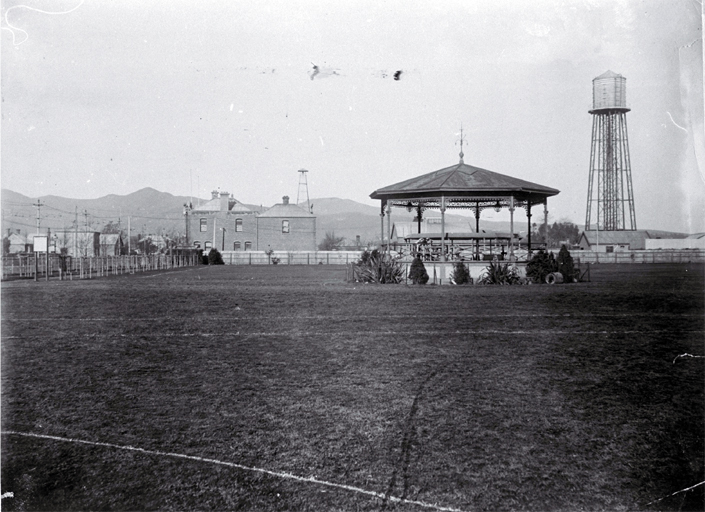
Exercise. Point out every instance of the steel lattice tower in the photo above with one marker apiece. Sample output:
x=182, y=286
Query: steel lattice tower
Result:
x=610, y=184
x=303, y=190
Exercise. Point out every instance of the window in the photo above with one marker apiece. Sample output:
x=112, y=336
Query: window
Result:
x=197, y=244
x=248, y=246
x=236, y=246
x=610, y=248
x=208, y=245
x=238, y=224
x=204, y=225
x=285, y=226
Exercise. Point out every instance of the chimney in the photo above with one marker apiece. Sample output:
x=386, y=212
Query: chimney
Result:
x=224, y=200
x=285, y=199
x=214, y=194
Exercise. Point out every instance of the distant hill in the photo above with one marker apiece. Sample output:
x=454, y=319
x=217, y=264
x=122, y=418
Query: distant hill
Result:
x=154, y=212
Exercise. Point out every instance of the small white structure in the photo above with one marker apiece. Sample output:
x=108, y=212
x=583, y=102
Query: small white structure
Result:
x=696, y=241
x=620, y=241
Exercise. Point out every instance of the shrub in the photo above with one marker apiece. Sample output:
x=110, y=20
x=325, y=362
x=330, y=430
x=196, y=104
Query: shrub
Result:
x=565, y=265
x=498, y=273
x=215, y=258
x=460, y=273
x=540, y=266
x=366, y=255
x=376, y=267
x=417, y=272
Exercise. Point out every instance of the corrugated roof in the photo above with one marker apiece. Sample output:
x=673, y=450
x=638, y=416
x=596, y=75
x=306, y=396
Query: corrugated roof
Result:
x=635, y=239
x=616, y=237
x=286, y=211
x=462, y=180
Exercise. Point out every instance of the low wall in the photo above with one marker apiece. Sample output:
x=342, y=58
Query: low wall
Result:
x=291, y=257
x=652, y=256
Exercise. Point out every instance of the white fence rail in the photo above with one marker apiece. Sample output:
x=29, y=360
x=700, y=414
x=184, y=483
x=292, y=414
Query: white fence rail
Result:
x=33, y=266
x=290, y=257
x=658, y=256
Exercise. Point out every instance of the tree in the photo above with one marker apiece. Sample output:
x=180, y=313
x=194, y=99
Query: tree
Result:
x=110, y=229
x=541, y=264
x=5, y=246
x=146, y=245
x=417, y=272
x=215, y=258
x=330, y=242
x=563, y=231
x=460, y=273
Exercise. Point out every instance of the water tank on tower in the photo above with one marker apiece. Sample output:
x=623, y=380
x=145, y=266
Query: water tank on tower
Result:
x=610, y=204
x=609, y=92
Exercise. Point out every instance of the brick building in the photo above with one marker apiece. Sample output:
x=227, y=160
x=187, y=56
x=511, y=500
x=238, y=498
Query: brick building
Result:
x=223, y=223
x=286, y=227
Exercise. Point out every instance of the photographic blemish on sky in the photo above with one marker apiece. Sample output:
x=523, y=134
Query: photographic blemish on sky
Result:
x=120, y=79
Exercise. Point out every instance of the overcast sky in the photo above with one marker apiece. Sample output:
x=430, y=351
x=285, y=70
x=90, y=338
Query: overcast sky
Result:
x=186, y=97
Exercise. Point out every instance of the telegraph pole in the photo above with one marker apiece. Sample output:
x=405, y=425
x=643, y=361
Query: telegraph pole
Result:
x=75, y=235
x=38, y=205
x=187, y=209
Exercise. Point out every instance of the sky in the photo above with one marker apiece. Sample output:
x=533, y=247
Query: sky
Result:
x=106, y=98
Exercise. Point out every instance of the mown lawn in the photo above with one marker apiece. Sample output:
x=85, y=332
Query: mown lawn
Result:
x=536, y=397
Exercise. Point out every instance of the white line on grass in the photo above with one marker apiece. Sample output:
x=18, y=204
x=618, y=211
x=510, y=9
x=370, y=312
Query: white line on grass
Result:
x=360, y=333
x=677, y=492
x=277, y=474
x=336, y=316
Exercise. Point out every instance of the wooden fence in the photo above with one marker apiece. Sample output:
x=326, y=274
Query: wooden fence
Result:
x=650, y=256
x=67, y=267
x=290, y=257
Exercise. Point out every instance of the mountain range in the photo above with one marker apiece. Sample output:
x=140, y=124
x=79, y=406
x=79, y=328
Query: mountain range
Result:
x=153, y=212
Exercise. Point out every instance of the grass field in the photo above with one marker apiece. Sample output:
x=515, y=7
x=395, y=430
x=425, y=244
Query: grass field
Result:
x=472, y=398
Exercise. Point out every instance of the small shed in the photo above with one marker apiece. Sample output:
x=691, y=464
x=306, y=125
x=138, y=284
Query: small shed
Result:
x=618, y=241
x=111, y=245
x=18, y=243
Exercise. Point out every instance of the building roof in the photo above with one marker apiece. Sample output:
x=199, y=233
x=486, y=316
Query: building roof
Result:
x=405, y=228
x=214, y=205
x=462, y=180
x=608, y=74
x=634, y=238
x=16, y=238
x=110, y=239
x=483, y=235
x=286, y=210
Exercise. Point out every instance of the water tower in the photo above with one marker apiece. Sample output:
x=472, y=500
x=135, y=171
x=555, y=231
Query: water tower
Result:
x=610, y=194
